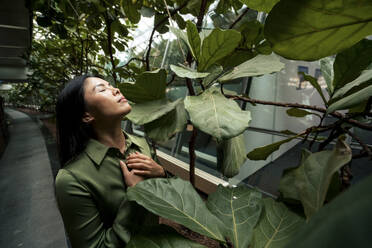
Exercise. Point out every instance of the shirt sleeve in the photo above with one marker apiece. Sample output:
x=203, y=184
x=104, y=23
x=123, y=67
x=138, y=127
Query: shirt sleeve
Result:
x=82, y=220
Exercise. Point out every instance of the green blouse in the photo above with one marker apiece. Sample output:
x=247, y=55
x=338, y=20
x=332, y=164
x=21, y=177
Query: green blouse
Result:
x=91, y=196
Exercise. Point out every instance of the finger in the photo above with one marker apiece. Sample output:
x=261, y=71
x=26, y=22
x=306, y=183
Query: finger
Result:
x=140, y=155
x=141, y=173
x=135, y=160
x=140, y=166
x=124, y=168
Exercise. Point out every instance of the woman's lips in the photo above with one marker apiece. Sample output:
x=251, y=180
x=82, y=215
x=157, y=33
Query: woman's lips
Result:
x=122, y=99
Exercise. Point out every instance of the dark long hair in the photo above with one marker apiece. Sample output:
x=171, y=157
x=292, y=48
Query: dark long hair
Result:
x=72, y=133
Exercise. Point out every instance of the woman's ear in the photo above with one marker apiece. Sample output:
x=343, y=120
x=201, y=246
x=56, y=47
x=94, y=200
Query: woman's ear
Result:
x=87, y=118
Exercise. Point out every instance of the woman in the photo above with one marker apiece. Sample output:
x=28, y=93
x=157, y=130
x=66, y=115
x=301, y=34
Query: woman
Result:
x=99, y=161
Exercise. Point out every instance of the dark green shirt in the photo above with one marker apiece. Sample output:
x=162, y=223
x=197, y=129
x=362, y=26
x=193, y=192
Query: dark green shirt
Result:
x=91, y=196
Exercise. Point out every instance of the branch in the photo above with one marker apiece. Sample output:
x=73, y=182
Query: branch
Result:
x=172, y=79
x=239, y=18
x=192, y=155
x=302, y=106
x=138, y=59
x=173, y=12
x=202, y=10
x=365, y=147
x=316, y=134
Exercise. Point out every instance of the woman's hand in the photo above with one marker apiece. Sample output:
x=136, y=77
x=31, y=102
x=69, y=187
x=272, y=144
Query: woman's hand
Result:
x=130, y=178
x=143, y=165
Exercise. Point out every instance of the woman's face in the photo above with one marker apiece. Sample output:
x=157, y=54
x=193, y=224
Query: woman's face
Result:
x=104, y=102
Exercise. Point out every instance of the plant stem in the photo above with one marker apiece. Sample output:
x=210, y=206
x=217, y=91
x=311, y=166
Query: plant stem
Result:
x=365, y=147
x=316, y=134
x=202, y=10
x=192, y=141
x=192, y=155
x=239, y=18
x=302, y=106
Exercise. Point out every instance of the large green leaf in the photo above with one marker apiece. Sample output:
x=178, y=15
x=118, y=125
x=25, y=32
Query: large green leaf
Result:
x=186, y=72
x=166, y=126
x=310, y=30
x=310, y=181
x=176, y=199
x=364, y=77
x=260, y=5
x=345, y=222
x=277, y=225
x=180, y=21
x=149, y=86
x=231, y=155
x=236, y=58
x=131, y=10
x=182, y=35
x=159, y=18
x=261, y=153
x=214, y=73
x=216, y=115
x=259, y=65
x=161, y=236
x=326, y=66
x=216, y=46
x=146, y=112
x=252, y=34
x=351, y=62
x=239, y=209
x=351, y=100
x=194, y=39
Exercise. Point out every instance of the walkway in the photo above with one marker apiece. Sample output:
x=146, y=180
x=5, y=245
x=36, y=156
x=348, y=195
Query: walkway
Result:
x=28, y=212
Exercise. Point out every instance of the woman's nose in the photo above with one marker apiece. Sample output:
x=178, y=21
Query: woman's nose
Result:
x=115, y=91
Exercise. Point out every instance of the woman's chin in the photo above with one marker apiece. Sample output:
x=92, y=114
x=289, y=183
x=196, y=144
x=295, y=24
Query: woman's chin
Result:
x=127, y=110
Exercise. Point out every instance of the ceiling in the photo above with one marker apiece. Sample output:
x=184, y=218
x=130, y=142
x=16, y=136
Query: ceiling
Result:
x=15, y=40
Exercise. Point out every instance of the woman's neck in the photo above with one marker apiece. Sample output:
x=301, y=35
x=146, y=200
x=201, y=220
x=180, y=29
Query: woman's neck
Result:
x=110, y=134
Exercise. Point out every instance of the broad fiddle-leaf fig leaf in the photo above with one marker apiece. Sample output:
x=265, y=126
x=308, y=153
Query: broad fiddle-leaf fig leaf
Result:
x=161, y=236
x=310, y=181
x=351, y=100
x=364, y=77
x=214, y=73
x=149, y=86
x=194, y=39
x=186, y=72
x=259, y=65
x=277, y=225
x=216, y=115
x=131, y=10
x=146, y=112
x=260, y=5
x=350, y=63
x=330, y=226
x=176, y=199
x=231, y=155
x=166, y=126
x=310, y=30
x=182, y=35
x=239, y=208
x=217, y=45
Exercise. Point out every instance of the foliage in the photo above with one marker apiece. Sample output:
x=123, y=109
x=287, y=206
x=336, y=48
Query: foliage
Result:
x=75, y=37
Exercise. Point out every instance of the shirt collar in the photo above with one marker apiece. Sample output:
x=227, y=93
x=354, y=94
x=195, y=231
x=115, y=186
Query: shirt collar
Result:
x=97, y=151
